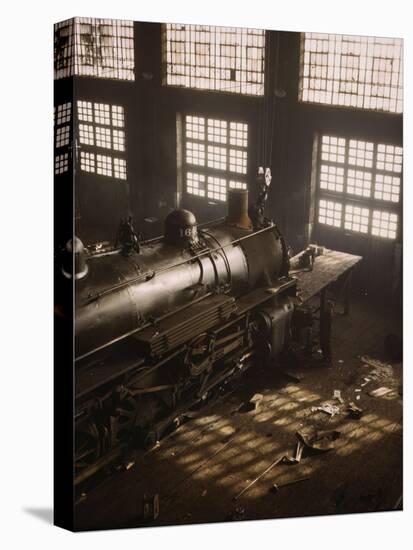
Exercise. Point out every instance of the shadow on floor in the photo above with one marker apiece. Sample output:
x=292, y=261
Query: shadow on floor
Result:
x=45, y=514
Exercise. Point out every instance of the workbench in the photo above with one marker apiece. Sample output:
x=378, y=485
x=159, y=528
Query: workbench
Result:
x=316, y=280
x=327, y=268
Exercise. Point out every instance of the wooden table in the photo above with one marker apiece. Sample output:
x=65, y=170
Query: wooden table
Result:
x=326, y=269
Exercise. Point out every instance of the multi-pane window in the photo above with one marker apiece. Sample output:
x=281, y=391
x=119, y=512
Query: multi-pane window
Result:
x=359, y=186
x=352, y=71
x=101, y=131
x=356, y=218
x=384, y=224
x=215, y=156
x=61, y=163
x=224, y=59
x=62, y=136
x=330, y=213
x=195, y=184
x=94, y=47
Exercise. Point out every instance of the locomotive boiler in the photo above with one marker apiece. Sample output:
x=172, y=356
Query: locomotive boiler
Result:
x=163, y=324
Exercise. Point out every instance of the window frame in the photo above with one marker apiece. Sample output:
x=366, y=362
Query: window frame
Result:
x=70, y=55
x=63, y=149
x=95, y=150
x=359, y=83
x=347, y=199
x=209, y=171
x=165, y=63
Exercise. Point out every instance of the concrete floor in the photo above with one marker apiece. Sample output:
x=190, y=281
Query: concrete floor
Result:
x=198, y=469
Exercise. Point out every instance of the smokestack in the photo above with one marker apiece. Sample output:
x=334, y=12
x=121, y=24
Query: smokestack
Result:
x=238, y=209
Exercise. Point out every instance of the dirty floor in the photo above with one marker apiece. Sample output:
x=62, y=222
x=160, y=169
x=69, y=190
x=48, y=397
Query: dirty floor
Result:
x=199, y=469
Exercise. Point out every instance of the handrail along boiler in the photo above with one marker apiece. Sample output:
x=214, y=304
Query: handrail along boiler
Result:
x=161, y=325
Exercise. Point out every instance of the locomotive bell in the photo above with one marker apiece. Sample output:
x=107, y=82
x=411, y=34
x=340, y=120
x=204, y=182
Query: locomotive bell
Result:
x=238, y=209
x=181, y=227
x=74, y=259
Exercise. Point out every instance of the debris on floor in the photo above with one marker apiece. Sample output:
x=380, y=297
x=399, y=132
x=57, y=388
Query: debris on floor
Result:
x=287, y=459
x=327, y=408
x=381, y=392
x=337, y=395
x=262, y=474
x=381, y=371
x=354, y=411
x=256, y=399
x=276, y=487
x=250, y=405
x=343, y=467
x=125, y=466
x=321, y=441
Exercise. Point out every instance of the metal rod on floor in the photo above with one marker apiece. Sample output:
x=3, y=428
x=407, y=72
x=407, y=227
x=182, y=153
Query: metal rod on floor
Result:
x=277, y=486
x=279, y=459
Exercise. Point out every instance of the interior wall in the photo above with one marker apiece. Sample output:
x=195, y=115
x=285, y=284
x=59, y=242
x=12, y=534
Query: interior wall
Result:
x=281, y=136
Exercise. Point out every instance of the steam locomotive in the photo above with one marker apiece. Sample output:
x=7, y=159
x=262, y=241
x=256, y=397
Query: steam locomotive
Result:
x=160, y=325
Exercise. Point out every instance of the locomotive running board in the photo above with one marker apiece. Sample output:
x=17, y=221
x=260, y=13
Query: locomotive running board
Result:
x=165, y=335
x=286, y=286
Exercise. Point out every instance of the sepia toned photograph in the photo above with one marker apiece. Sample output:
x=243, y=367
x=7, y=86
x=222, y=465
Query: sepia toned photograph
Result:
x=228, y=262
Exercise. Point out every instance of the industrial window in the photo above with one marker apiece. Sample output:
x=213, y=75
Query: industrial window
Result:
x=329, y=212
x=215, y=156
x=61, y=163
x=359, y=186
x=62, y=125
x=214, y=58
x=101, y=132
x=384, y=224
x=94, y=47
x=352, y=71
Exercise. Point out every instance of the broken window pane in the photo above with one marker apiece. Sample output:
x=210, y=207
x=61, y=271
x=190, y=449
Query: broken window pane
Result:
x=352, y=71
x=224, y=59
x=101, y=48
